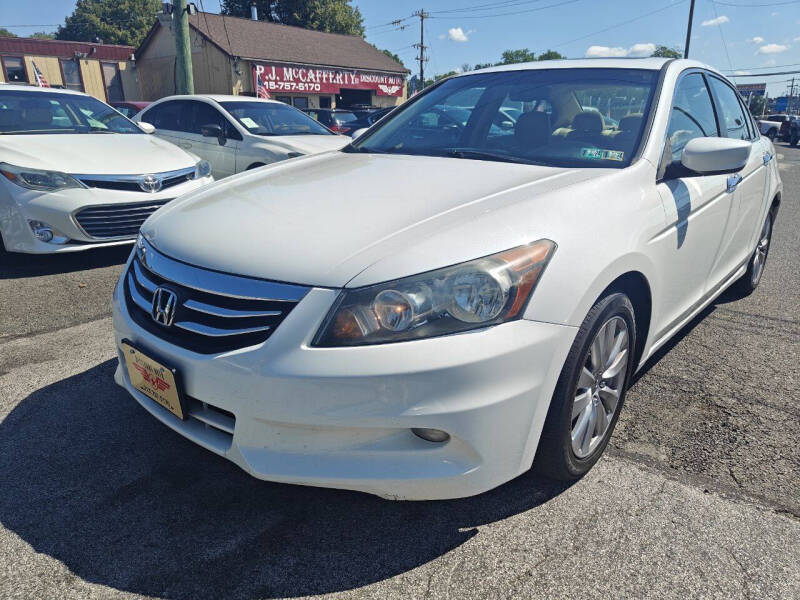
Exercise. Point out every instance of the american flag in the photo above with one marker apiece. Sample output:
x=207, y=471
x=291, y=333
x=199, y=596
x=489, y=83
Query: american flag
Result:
x=261, y=89
x=39, y=76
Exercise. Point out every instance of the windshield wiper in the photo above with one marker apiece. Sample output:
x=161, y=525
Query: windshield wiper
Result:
x=486, y=155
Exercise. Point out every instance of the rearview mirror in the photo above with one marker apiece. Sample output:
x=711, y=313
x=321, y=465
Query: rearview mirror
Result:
x=712, y=155
x=358, y=132
x=214, y=131
x=146, y=127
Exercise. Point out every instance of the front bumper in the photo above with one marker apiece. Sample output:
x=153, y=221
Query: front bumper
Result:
x=342, y=417
x=57, y=209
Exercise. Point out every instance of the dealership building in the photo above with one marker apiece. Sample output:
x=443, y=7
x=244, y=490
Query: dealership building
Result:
x=302, y=67
x=105, y=71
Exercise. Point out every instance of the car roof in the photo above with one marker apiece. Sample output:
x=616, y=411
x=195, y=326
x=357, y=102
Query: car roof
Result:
x=41, y=90
x=218, y=98
x=650, y=63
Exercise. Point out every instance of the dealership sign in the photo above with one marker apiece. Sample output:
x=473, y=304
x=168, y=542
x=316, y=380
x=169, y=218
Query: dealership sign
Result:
x=752, y=89
x=271, y=78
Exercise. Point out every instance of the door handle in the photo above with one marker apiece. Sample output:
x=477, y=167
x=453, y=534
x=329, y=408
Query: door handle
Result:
x=767, y=157
x=733, y=181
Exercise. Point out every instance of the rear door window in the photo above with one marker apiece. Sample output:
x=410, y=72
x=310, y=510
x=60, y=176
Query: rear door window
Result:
x=732, y=119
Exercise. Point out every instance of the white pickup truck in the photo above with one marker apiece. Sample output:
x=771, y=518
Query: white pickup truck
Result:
x=771, y=126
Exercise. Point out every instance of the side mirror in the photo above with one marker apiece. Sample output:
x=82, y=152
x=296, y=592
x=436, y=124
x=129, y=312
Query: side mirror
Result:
x=358, y=132
x=715, y=155
x=214, y=131
x=146, y=127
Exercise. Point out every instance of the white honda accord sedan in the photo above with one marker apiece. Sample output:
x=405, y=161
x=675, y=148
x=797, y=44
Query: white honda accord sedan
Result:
x=76, y=174
x=463, y=292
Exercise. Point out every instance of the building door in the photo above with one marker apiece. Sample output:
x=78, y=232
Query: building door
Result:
x=347, y=98
x=324, y=101
x=113, y=82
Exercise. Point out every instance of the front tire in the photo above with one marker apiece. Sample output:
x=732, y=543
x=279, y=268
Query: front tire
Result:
x=590, y=391
x=748, y=282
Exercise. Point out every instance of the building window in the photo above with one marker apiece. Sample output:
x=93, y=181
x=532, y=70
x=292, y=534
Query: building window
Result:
x=14, y=68
x=71, y=72
x=284, y=99
x=300, y=102
x=324, y=101
x=113, y=82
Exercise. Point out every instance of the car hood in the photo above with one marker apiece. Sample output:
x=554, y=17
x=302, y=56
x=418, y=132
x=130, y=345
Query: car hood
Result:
x=324, y=219
x=94, y=153
x=309, y=144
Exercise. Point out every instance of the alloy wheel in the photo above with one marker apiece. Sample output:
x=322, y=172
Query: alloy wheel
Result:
x=760, y=255
x=599, y=386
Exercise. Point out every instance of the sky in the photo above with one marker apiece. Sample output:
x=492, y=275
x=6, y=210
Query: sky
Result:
x=746, y=36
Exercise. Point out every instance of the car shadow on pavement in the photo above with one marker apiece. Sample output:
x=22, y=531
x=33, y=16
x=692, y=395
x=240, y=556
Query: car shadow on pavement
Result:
x=16, y=266
x=725, y=297
x=89, y=478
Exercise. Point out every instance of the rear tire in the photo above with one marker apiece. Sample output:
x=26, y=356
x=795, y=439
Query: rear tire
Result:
x=747, y=283
x=793, y=140
x=771, y=134
x=590, y=392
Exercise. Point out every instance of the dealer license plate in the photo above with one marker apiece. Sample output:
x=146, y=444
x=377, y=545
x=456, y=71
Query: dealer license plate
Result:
x=156, y=381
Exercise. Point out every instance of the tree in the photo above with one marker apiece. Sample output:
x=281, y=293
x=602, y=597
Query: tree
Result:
x=6, y=33
x=333, y=16
x=757, y=105
x=41, y=35
x=522, y=55
x=511, y=57
x=389, y=53
x=120, y=22
x=667, y=52
x=551, y=55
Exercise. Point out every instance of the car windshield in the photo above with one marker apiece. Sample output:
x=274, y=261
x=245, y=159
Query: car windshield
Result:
x=555, y=117
x=24, y=113
x=273, y=118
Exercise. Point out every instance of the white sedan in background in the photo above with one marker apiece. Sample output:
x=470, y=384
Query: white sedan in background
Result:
x=441, y=305
x=237, y=133
x=76, y=174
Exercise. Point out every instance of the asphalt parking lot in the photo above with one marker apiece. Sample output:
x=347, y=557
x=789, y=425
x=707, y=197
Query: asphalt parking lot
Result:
x=697, y=497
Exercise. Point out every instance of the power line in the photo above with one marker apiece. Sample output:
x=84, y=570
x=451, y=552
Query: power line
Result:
x=770, y=67
x=516, y=12
x=491, y=5
x=766, y=74
x=721, y=34
x=758, y=5
x=623, y=23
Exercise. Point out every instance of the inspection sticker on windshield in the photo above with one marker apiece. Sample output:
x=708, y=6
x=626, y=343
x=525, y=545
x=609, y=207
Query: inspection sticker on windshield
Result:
x=249, y=123
x=600, y=154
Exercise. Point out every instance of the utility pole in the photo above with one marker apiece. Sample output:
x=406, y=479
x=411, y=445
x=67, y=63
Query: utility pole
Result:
x=421, y=46
x=689, y=30
x=184, y=78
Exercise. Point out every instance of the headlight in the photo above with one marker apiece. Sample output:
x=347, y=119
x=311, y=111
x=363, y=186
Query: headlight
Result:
x=36, y=179
x=202, y=169
x=482, y=292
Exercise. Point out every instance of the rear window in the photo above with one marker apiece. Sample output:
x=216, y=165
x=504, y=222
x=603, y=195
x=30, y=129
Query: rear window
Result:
x=344, y=117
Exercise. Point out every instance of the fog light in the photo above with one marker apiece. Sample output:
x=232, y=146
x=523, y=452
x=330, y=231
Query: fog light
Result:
x=42, y=231
x=431, y=435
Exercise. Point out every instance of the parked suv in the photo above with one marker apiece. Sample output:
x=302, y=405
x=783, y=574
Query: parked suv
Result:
x=236, y=133
x=76, y=174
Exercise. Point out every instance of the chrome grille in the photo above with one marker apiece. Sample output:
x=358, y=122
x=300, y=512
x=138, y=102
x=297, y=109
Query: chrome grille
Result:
x=214, y=312
x=116, y=220
x=130, y=183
